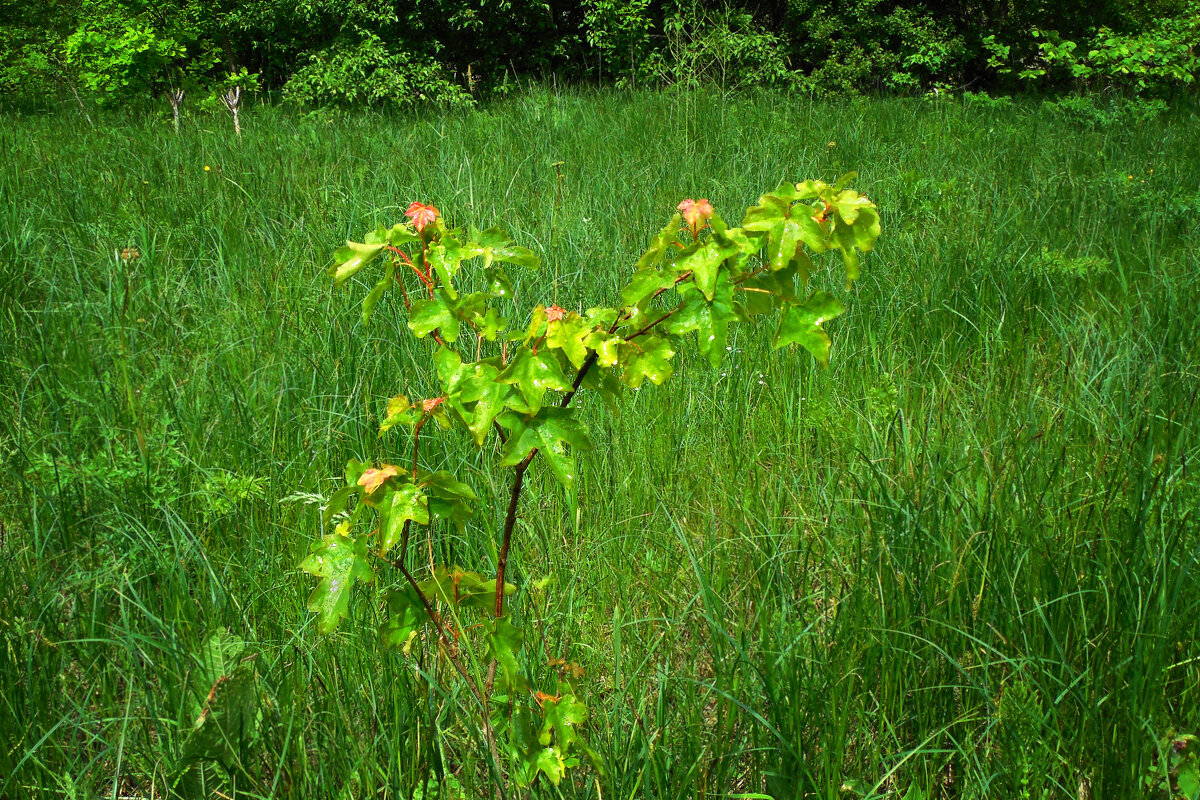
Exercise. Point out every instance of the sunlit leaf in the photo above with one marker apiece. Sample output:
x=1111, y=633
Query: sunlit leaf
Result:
x=549, y=431
x=648, y=357
x=709, y=318
x=350, y=259
x=550, y=763
x=704, y=262
x=606, y=345
x=339, y=562
x=444, y=258
x=405, y=503
x=430, y=314
x=645, y=282
x=801, y=324
x=660, y=245
x=560, y=716
x=371, y=479
x=399, y=412
x=494, y=245
x=567, y=334
x=533, y=374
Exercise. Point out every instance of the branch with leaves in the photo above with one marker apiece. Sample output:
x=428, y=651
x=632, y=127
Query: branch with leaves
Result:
x=515, y=374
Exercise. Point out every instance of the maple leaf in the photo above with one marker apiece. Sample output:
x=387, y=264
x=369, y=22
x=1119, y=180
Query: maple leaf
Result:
x=421, y=215
x=372, y=479
x=339, y=562
x=696, y=211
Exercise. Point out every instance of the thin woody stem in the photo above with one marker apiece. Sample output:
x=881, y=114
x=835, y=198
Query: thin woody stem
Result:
x=510, y=518
x=403, y=291
x=510, y=522
x=651, y=326
x=449, y=648
x=425, y=279
x=746, y=276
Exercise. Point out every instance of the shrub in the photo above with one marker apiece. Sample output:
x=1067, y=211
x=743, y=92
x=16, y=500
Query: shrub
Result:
x=371, y=72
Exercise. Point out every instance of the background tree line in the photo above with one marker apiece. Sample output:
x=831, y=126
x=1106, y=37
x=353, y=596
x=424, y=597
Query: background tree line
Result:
x=354, y=52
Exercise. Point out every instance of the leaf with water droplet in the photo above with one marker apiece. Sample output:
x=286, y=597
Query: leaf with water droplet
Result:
x=645, y=282
x=444, y=258
x=706, y=260
x=567, y=334
x=534, y=374
x=433, y=313
x=606, y=345
x=339, y=562
x=648, y=357
x=710, y=318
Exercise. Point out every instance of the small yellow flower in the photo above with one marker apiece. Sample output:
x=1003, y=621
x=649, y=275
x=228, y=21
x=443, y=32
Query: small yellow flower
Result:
x=207, y=168
x=1130, y=177
x=832, y=144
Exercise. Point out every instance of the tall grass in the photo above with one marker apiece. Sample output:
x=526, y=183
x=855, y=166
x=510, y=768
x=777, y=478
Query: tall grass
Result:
x=962, y=559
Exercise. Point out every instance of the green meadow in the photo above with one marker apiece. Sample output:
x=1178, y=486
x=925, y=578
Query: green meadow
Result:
x=961, y=562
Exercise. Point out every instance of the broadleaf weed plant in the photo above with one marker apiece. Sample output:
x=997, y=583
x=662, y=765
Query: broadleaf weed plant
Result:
x=512, y=375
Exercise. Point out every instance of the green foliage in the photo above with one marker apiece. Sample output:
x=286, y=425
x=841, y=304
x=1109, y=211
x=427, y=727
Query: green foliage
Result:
x=233, y=720
x=692, y=278
x=1159, y=58
x=369, y=71
x=226, y=491
x=1176, y=776
x=114, y=63
x=725, y=47
x=1052, y=264
x=857, y=45
x=338, y=561
x=1091, y=111
x=1020, y=718
x=620, y=32
x=799, y=580
x=349, y=53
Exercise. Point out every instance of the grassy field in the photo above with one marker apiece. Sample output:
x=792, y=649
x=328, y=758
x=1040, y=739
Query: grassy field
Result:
x=961, y=562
